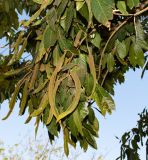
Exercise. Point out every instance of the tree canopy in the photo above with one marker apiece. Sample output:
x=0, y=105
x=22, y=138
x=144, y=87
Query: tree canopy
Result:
x=78, y=50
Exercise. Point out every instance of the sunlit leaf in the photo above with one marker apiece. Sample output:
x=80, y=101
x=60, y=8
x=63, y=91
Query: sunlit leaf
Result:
x=77, y=121
x=121, y=49
x=103, y=100
x=96, y=40
x=122, y=7
x=102, y=10
x=110, y=62
x=132, y=3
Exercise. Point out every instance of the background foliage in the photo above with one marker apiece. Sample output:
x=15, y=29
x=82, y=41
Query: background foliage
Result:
x=131, y=141
x=78, y=51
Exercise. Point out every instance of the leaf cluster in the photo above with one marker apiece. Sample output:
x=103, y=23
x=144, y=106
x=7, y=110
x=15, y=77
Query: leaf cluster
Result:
x=130, y=142
x=79, y=51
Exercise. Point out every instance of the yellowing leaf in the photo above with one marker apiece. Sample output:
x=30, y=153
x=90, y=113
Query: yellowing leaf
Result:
x=79, y=4
x=41, y=52
x=52, y=84
x=14, y=72
x=24, y=97
x=40, y=87
x=66, y=149
x=50, y=116
x=43, y=104
x=34, y=76
x=44, y=3
x=13, y=99
x=38, y=1
x=91, y=63
x=16, y=48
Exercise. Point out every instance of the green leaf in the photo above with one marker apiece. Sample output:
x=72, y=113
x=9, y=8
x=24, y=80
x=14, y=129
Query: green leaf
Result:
x=61, y=8
x=83, y=110
x=88, y=2
x=102, y=10
x=122, y=7
x=103, y=100
x=90, y=128
x=72, y=126
x=127, y=44
x=76, y=99
x=53, y=127
x=45, y=115
x=84, y=12
x=51, y=17
x=96, y=39
x=56, y=55
x=23, y=101
x=69, y=17
x=66, y=137
x=49, y=37
x=91, y=115
x=121, y=49
x=41, y=52
x=65, y=44
x=140, y=36
x=89, y=138
x=88, y=84
x=79, y=4
x=38, y=1
x=132, y=3
x=96, y=124
x=136, y=55
x=110, y=62
x=77, y=120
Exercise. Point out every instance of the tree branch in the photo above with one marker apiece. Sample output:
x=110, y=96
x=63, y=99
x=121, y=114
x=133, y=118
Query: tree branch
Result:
x=106, y=45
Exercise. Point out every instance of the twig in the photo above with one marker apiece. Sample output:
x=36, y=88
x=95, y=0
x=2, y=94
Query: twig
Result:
x=106, y=45
x=104, y=77
x=113, y=53
x=135, y=14
x=140, y=12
